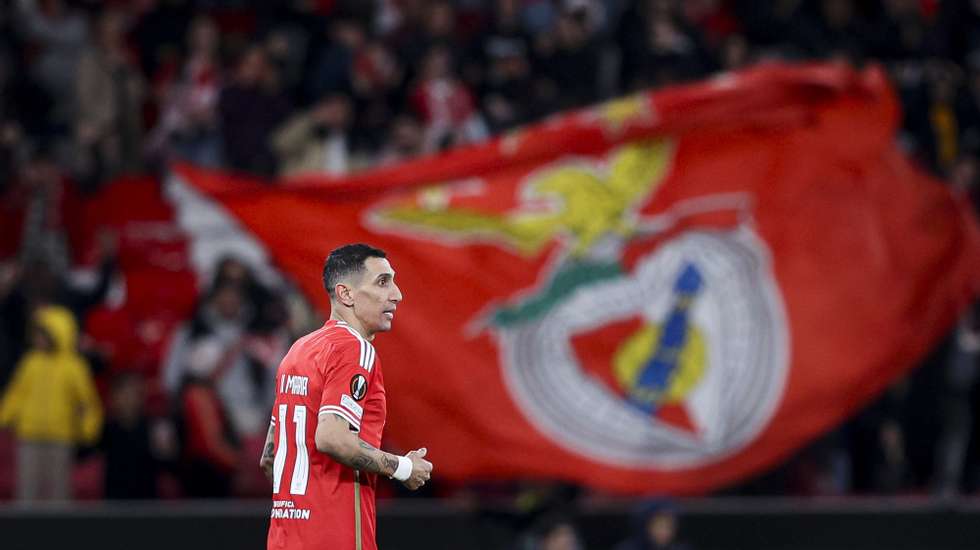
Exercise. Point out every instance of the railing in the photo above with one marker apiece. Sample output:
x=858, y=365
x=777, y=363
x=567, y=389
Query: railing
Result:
x=725, y=523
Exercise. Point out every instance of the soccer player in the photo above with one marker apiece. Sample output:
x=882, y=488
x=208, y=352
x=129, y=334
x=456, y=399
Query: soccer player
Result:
x=321, y=452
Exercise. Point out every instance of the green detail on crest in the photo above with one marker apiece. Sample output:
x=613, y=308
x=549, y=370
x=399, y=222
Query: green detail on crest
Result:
x=570, y=276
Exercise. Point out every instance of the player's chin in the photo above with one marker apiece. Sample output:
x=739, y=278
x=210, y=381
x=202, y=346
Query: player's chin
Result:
x=384, y=325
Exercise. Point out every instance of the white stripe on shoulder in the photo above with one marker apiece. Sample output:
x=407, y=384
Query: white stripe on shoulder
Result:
x=366, y=360
x=361, y=360
x=370, y=360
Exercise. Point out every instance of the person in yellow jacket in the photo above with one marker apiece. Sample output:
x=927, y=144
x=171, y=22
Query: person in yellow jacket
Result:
x=52, y=405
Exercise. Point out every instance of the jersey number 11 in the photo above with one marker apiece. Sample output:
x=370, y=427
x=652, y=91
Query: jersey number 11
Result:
x=301, y=468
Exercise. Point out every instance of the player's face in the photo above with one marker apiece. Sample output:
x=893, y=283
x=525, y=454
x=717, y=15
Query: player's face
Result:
x=376, y=296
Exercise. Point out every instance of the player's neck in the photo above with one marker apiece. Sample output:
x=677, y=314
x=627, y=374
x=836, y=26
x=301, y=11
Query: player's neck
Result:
x=352, y=322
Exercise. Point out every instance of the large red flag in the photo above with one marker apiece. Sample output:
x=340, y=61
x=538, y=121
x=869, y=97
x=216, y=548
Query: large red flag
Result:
x=663, y=293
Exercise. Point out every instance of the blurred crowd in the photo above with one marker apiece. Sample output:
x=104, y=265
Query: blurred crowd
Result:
x=279, y=88
x=92, y=90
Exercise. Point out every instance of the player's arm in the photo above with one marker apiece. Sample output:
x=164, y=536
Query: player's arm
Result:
x=335, y=438
x=268, y=451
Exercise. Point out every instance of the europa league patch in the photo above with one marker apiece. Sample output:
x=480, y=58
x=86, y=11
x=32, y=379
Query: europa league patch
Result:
x=358, y=387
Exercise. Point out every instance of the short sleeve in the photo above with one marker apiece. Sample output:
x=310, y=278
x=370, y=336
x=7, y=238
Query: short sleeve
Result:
x=346, y=380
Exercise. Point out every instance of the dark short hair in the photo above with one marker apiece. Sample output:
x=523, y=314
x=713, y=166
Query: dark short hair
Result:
x=345, y=261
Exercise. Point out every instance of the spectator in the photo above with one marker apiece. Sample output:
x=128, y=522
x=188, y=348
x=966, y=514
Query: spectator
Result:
x=51, y=405
x=244, y=386
x=900, y=31
x=655, y=528
x=714, y=18
x=554, y=532
x=188, y=127
x=11, y=334
x=290, y=30
x=44, y=196
x=501, y=66
x=317, y=140
x=61, y=33
x=26, y=107
x=735, y=53
x=404, y=141
x=659, y=47
x=427, y=24
x=335, y=60
x=565, y=55
x=938, y=116
x=135, y=448
x=250, y=108
x=445, y=105
x=231, y=270
x=210, y=446
x=839, y=33
x=110, y=90
x=377, y=81
x=36, y=282
x=881, y=462
x=160, y=30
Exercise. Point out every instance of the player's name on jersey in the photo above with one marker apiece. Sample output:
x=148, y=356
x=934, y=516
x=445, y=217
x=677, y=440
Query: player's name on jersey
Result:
x=285, y=509
x=293, y=384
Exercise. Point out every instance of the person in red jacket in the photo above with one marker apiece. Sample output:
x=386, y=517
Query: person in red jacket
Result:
x=210, y=447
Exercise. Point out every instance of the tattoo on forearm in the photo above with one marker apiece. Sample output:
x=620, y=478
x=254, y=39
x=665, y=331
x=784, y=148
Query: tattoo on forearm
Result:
x=373, y=459
x=362, y=462
x=269, y=445
x=391, y=463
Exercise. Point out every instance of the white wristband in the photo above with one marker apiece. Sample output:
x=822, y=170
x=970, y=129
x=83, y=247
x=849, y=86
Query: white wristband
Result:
x=404, y=470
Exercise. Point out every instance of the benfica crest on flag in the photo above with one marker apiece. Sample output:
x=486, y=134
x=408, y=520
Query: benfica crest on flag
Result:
x=663, y=293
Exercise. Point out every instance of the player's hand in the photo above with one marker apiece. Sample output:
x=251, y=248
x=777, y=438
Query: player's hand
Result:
x=266, y=464
x=421, y=469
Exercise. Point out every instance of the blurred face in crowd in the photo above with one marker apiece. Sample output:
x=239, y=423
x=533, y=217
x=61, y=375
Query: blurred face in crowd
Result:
x=334, y=112
x=52, y=8
x=942, y=84
x=571, y=29
x=253, y=69
x=662, y=528
x=127, y=398
x=111, y=29
x=508, y=11
x=837, y=13
x=40, y=340
x=441, y=19
x=233, y=271
x=964, y=174
x=203, y=37
x=380, y=69
x=897, y=8
x=348, y=33
x=406, y=136
x=41, y=173
x=437, y=64
x=277, y=44
x=735, y=52
x=227, y=302
x=660, y=8
x=562, y=537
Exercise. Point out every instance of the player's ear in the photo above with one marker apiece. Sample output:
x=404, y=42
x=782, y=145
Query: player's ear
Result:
x=344, y=294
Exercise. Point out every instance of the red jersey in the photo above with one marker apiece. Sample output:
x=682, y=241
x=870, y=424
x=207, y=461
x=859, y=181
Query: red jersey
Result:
x=317, y=502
